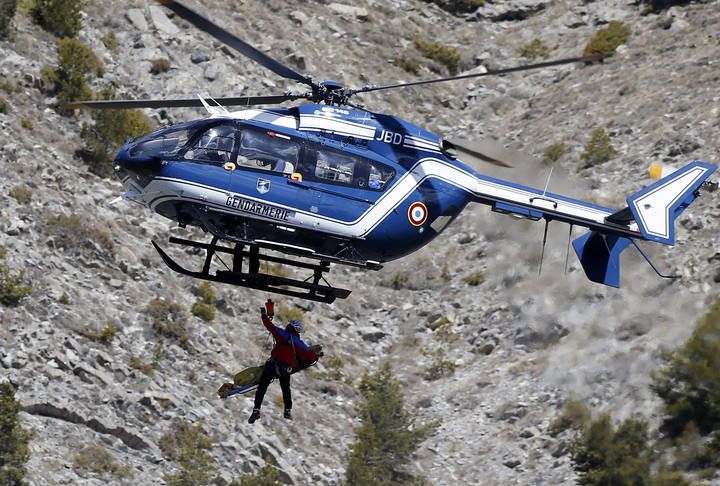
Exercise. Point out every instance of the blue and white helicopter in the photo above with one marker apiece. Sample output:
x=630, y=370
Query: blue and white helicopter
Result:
x=330, y=182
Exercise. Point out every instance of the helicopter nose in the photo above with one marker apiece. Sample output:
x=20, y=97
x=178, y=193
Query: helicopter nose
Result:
x=140, y=169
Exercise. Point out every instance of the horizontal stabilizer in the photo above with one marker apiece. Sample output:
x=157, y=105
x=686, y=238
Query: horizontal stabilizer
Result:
x=656, y=207
x=600, y=256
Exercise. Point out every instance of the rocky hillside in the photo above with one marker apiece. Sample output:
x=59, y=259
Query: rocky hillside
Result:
x=521, y=344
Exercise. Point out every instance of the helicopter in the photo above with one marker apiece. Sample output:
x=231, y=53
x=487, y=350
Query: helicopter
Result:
x=329, y=181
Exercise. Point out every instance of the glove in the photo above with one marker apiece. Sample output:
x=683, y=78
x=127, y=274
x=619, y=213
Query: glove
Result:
x=321, y=354
x=263, y=312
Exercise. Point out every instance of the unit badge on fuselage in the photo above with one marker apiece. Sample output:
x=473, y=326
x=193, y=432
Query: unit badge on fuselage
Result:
x=263, y=186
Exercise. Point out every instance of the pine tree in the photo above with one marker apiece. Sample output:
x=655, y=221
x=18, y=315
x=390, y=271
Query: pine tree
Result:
x=7, y=12
x=61, y=17
x=689, y=384
x=388, y=435
x=605, y=456
x=14, y=439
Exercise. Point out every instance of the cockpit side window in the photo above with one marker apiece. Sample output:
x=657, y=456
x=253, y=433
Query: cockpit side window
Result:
x=268, y=151
x=165, y=143
x=214, y=145
x=346, y=169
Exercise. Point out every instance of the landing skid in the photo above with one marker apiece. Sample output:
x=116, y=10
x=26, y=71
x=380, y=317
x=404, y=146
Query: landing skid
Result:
x=315, y=287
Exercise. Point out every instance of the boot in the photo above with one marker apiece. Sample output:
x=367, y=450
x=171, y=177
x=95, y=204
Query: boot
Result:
x=287, y=414
x=254, y=415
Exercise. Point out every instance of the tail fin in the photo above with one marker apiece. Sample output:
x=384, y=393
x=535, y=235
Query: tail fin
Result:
x=599, y=256
x=656, y=207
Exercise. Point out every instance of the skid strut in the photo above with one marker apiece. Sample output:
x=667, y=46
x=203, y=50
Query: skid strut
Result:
x=245, y=256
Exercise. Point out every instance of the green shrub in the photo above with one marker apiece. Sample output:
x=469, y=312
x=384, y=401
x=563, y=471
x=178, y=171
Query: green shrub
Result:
x=98, y=460
x=27, y=123
x=4, y=105
x=7, y=12
x=266, y=476
x=575, y=415
x=14, y=439
x=104, y=336
x=536, y=48
x=437, y=51
x=599, y=149
x=189, y=445
x=61, y=17
x=110, y=42
x=22, y=194
x=64, y=299
x=160, y=66
x=204, y=306
x=146, y=368
x=605, y=455
x=72, y=233
x=168, y=320
x=399, y=280
x=554, y=152
x=203, y=311
x=334, y=371
x=109, y=130
x=474, y=279
x=444, y=331
x=445, y=273
x=12, y=290
x=606, y=40
x=76, y=64
x=439, y=368
x=289, y=313
x=408, y=64
x=689, y=383
x=8, y=86
x=387, y=436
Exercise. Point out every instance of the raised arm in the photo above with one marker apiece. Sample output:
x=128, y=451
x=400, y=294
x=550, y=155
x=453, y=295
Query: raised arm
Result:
x=270, y=326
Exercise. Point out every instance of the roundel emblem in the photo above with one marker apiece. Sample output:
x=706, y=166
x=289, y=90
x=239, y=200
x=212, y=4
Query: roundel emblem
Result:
x=417, y=214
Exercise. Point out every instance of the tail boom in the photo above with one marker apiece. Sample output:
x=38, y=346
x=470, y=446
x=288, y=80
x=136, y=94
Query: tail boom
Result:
x=650, y=215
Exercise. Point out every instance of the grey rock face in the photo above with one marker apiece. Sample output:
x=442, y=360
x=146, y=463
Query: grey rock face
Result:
x=161, y=21
x=137, y=19
x=349, y=11
x=512, y=10
x=520, y=344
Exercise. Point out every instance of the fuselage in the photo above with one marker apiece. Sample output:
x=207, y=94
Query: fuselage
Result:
x=341, y=182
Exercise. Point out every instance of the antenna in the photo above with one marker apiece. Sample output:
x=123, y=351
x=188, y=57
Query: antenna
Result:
x=548, y=180
x=567, y=251
x=542, y=254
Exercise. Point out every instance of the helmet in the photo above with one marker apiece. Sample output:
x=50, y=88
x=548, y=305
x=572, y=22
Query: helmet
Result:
x=297, y=325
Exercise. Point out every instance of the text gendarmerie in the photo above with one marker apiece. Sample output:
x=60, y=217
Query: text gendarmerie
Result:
x=260, y=209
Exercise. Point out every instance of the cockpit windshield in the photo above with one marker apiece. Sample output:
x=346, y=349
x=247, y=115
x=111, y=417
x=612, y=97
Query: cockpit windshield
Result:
x=165, y=143
x=214, y=145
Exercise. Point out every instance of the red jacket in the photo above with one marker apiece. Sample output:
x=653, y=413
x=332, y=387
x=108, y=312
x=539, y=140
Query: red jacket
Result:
x=289, y=348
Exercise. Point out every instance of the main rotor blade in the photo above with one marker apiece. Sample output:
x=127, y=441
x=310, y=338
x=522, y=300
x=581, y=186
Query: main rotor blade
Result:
x=527, y=67
x=489, y=151
x=229, y=39
x=179, y=103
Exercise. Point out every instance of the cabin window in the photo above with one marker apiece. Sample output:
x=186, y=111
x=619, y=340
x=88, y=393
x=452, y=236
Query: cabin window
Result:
x=268, y=151
x=347, y=169
x=164, y=143
x=215, y=145
x=380, y=175
x=335, y=167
